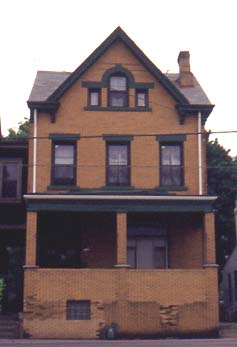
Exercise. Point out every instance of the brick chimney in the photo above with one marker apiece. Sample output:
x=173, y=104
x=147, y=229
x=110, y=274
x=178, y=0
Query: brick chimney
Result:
x=185, y=78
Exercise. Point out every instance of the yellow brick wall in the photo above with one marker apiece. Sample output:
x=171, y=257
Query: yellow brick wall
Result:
x=72, y=118
x=145, y=302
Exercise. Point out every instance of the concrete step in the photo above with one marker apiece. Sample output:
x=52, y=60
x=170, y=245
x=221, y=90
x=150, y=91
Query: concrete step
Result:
x=9, y=326
x=228, y=330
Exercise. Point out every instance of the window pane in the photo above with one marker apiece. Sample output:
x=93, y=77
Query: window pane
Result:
x=118, y=155
x=159, y=257
x=118, y=168
x=171, y=175
x=64, y=154
x=64, y=164
x=132, y=257
x=171, y=165
x=94, y=97
x=10, y=179
x=118, y=83
x=118, y=174
x=171, y=155
x=141, y=99
x=78, y=310
x=118, y=99
x=64, y=171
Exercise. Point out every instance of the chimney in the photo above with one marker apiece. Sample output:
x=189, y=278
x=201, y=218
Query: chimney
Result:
x=185, y=78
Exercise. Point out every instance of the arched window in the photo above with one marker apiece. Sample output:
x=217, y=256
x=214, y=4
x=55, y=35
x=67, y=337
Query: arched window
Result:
x=118, y=90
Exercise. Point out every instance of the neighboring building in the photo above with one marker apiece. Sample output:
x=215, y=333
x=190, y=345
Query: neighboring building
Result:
x=119, y=226
x=229, y=282
x=13, y=175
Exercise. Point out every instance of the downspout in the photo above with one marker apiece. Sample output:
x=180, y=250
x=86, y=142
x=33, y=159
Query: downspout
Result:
x=35, y=151
x=200, y=153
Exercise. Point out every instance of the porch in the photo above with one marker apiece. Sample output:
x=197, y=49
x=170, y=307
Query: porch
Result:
x=152, y=272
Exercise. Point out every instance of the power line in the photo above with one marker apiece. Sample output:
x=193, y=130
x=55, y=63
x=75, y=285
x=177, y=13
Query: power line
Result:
x=206, y=133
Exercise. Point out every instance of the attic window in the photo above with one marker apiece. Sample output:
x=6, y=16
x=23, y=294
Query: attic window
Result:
x=94, y=97
x=141, y=98
x=118, y=91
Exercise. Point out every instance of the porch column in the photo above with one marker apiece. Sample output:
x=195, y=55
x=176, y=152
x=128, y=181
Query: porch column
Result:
x=31, y=236
x=209, y=240
x=121, y=223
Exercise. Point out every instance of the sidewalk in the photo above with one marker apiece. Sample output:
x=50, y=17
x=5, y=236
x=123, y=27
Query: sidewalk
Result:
x=121, y=343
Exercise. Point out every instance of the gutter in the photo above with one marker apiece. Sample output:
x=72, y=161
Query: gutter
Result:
x=118, y=197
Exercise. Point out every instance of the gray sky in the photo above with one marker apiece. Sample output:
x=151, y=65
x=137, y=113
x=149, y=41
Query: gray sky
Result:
x=59, y=34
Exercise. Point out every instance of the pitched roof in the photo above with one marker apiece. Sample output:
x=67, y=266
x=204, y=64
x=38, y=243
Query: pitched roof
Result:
x=46, y=82
x=194, y=94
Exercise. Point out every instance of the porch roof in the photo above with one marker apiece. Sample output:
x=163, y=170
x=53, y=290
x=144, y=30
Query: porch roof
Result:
x=118, y=203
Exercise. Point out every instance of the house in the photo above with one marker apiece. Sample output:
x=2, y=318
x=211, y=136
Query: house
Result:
x=13, y=177
x=229, y=282
x=120, y=230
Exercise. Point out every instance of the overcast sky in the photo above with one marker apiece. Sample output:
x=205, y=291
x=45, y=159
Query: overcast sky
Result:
x=59, y=34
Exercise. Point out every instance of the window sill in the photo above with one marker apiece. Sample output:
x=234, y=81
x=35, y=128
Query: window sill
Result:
x=118, y=188
x=62, y=187
x=171, y=188
x=16, y=200
x=116, y=109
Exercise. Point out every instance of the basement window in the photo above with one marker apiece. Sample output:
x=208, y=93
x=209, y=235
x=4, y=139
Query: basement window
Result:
x=78, y=310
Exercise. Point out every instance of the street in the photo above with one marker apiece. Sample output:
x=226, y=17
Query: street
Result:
x=230, y=342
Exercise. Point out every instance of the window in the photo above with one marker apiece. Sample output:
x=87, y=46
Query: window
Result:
x=171, y=171
x=118, y=91
x=118, y=169
x=64, y=163
x=10, y=178
x=78, y=310
x=230, y=288
x=141, y=98
x=94, y=97
x=147, y=248
x=235, y=279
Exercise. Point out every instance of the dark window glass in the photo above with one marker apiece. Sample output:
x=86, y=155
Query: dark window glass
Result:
x=147, y=247
x=141, y=98
x=235, y=279
x=118, y=171
x=230, y=288
x=118, y=92
x=171, y=165
x=94, y=97
x=10, y=179
x=64, y=167
x=78, y=310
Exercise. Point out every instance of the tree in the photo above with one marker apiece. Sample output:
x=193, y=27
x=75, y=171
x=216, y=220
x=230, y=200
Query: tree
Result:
x=22, y=132
x=221, y=178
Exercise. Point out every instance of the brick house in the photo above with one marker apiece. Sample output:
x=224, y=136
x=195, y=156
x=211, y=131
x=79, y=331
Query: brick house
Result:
x=13, y=182
x=229, y=281
x=119, y=226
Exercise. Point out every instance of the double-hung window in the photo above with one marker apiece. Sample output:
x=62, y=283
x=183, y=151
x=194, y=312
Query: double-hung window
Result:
x=118, y=164
x=118, y=91
x=10, y=178
x=64, y=163
x=171, y=164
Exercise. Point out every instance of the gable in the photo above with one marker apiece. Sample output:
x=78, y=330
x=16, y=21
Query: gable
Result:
x=118, y=36
x=49, y=87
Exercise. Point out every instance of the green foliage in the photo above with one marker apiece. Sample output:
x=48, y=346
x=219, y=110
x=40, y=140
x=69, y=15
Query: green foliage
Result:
x=22, y=132
x=221, y=178
x=2, y=288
